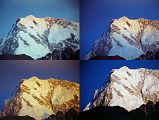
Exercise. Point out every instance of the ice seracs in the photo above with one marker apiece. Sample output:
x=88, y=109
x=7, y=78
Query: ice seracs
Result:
x=128, y=88
x=41, y=98
x=128, y=38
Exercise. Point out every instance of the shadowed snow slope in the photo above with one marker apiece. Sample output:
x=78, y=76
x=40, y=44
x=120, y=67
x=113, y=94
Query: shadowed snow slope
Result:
x=128, y=38
x=36, y=37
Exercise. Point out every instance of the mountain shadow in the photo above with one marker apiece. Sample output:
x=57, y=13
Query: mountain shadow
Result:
x=15, y=57
x=17, y=118
x=71, y=114
x=145, y=112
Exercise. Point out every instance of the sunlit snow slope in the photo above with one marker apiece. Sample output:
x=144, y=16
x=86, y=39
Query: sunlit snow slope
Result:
x=41, y=98
x=128, y=88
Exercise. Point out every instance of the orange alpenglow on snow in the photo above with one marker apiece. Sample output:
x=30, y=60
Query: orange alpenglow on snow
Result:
x=41, y=98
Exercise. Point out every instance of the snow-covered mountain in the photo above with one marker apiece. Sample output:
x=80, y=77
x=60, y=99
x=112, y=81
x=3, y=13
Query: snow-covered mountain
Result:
x=41, y=98
x=130, y=39
x=36, y=37
x=127, y=88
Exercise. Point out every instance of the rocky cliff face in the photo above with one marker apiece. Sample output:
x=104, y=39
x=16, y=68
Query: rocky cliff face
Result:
x=36, y=37
x=130, y=39
x=41, y=98
x=128, y=88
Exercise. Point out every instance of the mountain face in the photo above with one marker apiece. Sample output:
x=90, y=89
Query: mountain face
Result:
x=36, y=37
x=129, y=39
x=128, y=88
x=41, y=98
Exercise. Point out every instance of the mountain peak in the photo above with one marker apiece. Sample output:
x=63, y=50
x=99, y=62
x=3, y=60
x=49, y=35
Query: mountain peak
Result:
x=30, y=16
x=124, y=18
x=128, y=88
x=33, y=78
x=42, y=38
x=129, y=39
x=124, y=68
x=41, y=98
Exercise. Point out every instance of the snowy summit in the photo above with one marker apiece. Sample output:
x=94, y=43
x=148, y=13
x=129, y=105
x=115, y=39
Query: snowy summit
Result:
x=36, y=37
x=128, y=88
x=129, y=39
x=41, y=98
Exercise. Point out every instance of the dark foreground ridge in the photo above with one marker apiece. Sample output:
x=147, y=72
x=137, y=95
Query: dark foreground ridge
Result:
x=15, y=57
x=148, y=56
x=145, y=112
x=17, y=118
x=71, y=114
x=107, y=58
x=67, y=54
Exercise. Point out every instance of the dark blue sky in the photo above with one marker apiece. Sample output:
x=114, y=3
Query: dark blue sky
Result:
x=95, y=15
x=94, y=73
x=10, y=10
x=11, y=73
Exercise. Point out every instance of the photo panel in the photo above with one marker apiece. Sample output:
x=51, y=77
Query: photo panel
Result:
x=119, y=30
x=39, y=90
x=39, y=30
x=120, y=89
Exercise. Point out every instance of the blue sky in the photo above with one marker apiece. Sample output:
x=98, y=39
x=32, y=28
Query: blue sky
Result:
x=94, y=73
x=95, y=15
x=10, y=10
x=12, y=72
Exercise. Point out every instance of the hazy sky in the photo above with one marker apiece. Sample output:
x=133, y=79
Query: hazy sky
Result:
x=10, y=10
x=94, y=73
x=95, y=15
x=12, y=72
